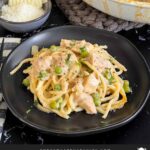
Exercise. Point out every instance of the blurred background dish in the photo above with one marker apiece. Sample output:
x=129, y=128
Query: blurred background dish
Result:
x=131, y=10
x=24, y=21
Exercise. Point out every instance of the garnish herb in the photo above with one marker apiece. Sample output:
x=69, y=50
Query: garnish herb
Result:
x=88, y=69
x=68, y=58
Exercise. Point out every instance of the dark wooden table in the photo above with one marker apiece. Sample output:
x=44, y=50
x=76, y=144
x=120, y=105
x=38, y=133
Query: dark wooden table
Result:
x=136, y=132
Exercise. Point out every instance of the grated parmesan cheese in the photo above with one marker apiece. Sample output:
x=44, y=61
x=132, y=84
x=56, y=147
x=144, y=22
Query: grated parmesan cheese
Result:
x=21, y=13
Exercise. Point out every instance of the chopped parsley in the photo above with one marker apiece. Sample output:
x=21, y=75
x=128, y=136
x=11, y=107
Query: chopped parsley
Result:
x=68, y=58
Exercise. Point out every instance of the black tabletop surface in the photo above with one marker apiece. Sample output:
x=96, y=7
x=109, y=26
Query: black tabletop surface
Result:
x=136, y=132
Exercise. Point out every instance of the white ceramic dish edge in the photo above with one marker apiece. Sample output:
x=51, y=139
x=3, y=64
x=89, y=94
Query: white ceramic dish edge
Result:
x=124, y=9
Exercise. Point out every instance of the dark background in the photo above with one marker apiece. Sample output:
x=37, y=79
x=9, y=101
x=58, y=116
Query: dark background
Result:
x=136, y=132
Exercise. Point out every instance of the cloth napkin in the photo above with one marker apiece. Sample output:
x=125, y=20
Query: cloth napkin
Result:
x=9, y=45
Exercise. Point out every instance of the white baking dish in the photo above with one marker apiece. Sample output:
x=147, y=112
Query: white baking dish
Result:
x=124, y=9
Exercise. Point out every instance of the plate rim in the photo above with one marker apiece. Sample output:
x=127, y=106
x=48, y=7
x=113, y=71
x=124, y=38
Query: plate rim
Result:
x=86, y=131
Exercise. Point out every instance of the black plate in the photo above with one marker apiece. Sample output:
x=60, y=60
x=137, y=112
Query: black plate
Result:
x=19, y=100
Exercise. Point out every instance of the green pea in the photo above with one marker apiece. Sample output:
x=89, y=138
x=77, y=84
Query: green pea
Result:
x=60, y=101
x=57, y=87
x=58, y=70
x=54, y=105
x=84, y=52
x=126, y=86
x=96, y=99
x=26, y=82
x=42, y=74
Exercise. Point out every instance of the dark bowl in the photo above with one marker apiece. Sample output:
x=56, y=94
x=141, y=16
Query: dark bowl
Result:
x=19, y=100
x=21, y=27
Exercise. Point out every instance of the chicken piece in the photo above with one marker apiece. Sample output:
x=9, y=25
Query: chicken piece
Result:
x=78, y=86
x=85, y=101
x=76, y=45
x=89, y=47
x=66, y=43
x=91, y=83
x=60, y=60
x=42, y=63
x=99, y=62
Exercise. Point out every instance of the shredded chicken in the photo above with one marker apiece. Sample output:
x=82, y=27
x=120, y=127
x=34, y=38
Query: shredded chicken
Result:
x=60, y=60
x=85, y=101
x=91, y=83
x=78, y=85
x=76, y=45
x=42, y=63
x=99, y=62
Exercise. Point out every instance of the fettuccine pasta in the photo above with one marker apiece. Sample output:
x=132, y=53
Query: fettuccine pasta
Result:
x=75, y=76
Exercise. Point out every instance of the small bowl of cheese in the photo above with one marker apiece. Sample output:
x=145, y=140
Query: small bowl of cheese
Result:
x=24, y=15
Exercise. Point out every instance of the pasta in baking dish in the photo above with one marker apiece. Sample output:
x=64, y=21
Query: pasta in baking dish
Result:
x=75, y=76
